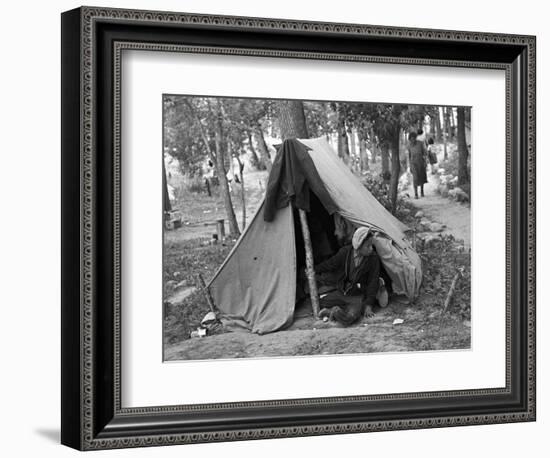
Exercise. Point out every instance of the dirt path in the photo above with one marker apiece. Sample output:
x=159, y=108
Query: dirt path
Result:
x=454, y=215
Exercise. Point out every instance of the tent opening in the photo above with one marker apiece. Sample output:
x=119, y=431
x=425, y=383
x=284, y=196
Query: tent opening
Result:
x=323, y=240
x=324, y=243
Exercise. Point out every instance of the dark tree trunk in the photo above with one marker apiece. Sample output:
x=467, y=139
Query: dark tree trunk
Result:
x=353, y=150
x=262, y=146
x=363, y=156
x=224, y=186
x=385, y=161
x=343, y=146
x=437, y=126
x=254, y=159
x=243, y=196
x=373, y=146
x=452, y=122
x=395, y=167
x=165, y=195
x=445, y=133
x=292, y=120
x=449, y=127
x=463, y=175
x=403, y=148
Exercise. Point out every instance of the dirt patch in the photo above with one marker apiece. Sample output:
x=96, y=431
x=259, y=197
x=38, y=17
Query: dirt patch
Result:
x=423, y=329
x=181, y=294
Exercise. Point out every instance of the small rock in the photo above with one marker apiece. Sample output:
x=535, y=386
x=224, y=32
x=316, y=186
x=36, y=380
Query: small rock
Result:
x=436, y=227
x=398, y=321
x=209, y=318
x=425, y=224
x=171, y=285
x=460, y=195
x=467, y=323
x=177, y=274
x=419, y=214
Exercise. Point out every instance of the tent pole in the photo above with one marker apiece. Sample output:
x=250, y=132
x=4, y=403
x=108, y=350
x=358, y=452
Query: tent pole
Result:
x=310, y=271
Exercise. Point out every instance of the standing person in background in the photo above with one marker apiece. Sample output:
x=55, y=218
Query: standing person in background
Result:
x=417, y=164
x=432, y=156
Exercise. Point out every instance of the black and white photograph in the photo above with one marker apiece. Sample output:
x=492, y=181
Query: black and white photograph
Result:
x=314, y=227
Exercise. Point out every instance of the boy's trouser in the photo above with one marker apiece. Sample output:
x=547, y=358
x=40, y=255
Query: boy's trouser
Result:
x=347, y=309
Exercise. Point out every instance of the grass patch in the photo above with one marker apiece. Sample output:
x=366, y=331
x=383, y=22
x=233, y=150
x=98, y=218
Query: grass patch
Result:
x=441, y=260
x=183, y=260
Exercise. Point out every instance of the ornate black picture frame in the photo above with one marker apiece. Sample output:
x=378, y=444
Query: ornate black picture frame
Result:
x=92, y=41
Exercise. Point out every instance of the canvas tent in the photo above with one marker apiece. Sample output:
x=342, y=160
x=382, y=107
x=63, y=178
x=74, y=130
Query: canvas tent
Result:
x=257, y=283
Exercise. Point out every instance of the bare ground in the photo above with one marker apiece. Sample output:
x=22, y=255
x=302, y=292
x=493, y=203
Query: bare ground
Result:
x=423, y=329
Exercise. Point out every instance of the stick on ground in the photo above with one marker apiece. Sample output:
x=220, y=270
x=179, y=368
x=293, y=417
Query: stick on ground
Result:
x=452, y=289
x=202, y=286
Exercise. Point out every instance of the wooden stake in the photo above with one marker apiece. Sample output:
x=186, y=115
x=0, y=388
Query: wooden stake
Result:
x=452, y=290
x=220, y=229
x=206, y=291
x=310, y=271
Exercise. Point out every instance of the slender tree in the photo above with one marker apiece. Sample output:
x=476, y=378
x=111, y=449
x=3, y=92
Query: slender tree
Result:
x=393, y=138
x=445, y=133
x=353, y=149
x=463, y=175
x=343, y=144
x=374, y=147
x=254, y=158
x=385, y=155
x=262, y=146
x=452, y=122
x=220, y=166
x=363, y=156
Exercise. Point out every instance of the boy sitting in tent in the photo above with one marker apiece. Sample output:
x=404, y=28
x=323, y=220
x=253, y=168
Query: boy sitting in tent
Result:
x=358, y=285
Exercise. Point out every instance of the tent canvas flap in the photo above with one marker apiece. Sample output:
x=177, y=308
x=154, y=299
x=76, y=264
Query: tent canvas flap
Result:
x=257, y=282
